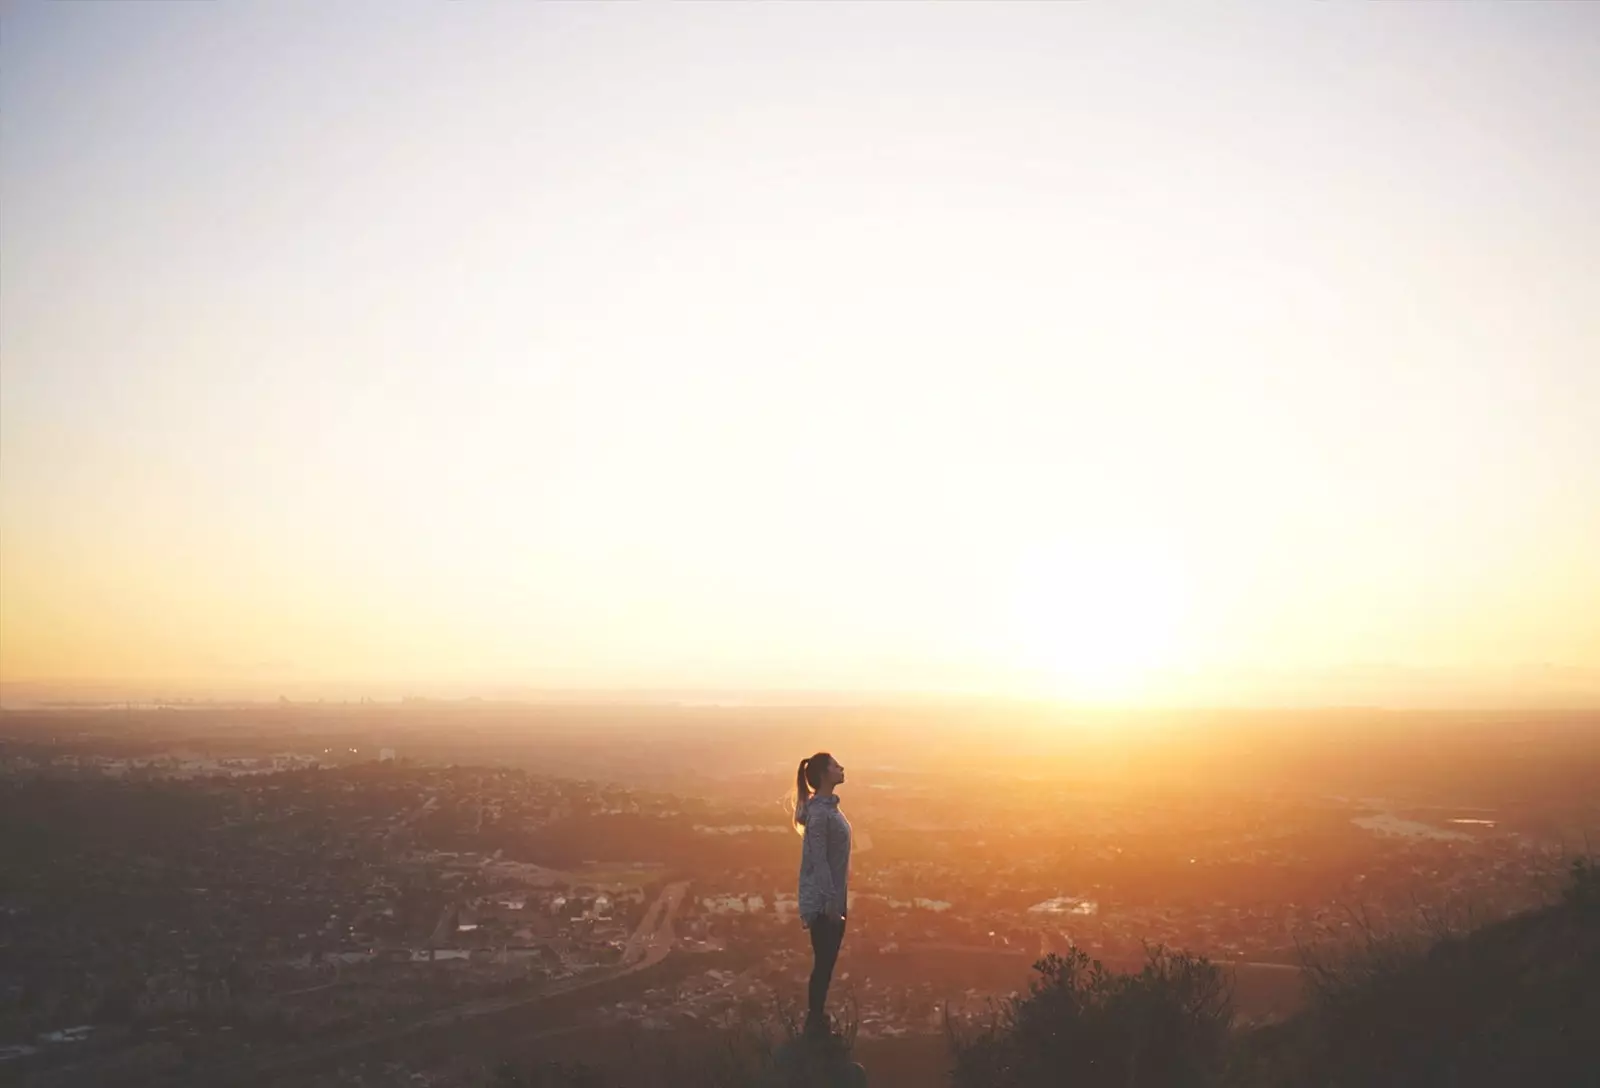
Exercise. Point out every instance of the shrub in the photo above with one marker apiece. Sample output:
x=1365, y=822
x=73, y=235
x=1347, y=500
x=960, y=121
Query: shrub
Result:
x=1085, y=1025
x=1582, y=892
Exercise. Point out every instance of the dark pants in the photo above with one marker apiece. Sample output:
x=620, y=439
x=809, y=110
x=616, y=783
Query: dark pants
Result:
x=826, y=936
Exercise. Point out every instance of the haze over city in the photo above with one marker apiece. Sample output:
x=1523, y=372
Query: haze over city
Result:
x=1053, y=351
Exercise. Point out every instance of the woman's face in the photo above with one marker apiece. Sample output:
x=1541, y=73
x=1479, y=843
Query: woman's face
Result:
x=835, y=772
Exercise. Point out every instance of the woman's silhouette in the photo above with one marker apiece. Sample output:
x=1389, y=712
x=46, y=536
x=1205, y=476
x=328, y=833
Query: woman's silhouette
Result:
x=824, y=874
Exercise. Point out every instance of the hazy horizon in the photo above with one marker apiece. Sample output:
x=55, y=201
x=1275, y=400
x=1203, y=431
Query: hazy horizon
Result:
x=1375, y=688
x=1044, y=351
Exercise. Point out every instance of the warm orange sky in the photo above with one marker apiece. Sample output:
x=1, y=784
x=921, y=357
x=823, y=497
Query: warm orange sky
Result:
x=1077, y=350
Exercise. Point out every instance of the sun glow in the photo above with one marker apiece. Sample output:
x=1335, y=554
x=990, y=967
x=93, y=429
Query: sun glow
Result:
x=1098, y=621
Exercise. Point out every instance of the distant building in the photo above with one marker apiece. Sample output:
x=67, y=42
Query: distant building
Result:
x=1065, y=904
x=386, y=755
x=724, y=904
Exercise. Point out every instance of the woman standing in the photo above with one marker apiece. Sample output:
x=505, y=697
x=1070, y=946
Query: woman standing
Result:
x=824, y=875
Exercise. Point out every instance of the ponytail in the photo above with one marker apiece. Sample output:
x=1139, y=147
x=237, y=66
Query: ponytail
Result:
x=802, y=794
x=807, y=780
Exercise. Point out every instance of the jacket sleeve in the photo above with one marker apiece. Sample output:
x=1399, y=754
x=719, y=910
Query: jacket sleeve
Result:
x=814, y=852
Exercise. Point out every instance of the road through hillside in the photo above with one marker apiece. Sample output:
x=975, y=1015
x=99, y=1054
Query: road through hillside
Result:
x=650, y=943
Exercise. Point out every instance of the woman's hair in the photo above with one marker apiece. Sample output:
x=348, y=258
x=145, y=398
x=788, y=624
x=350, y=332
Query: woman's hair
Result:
x=806, y=781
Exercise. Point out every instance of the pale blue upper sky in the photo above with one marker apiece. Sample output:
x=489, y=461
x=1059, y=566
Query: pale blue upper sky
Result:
x=1099, y=347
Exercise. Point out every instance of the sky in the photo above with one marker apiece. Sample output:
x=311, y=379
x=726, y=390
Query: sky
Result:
x=1115, y=353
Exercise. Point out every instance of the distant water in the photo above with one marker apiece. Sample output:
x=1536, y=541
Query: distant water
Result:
x=1387, y=823
x=1065, y=904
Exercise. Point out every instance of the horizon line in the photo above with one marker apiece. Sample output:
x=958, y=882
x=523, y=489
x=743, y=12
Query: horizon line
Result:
x=763, y=698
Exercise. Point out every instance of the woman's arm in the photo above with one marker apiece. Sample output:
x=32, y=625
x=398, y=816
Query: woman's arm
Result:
x=814, y=852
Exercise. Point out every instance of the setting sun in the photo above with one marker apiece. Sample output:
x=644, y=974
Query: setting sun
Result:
x=1097, y=620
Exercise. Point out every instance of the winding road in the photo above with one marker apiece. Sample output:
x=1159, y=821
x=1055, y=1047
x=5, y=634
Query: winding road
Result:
x=649, y=944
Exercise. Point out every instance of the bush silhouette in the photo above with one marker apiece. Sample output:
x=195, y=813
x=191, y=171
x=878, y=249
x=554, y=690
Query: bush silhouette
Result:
x=1082, y=1024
